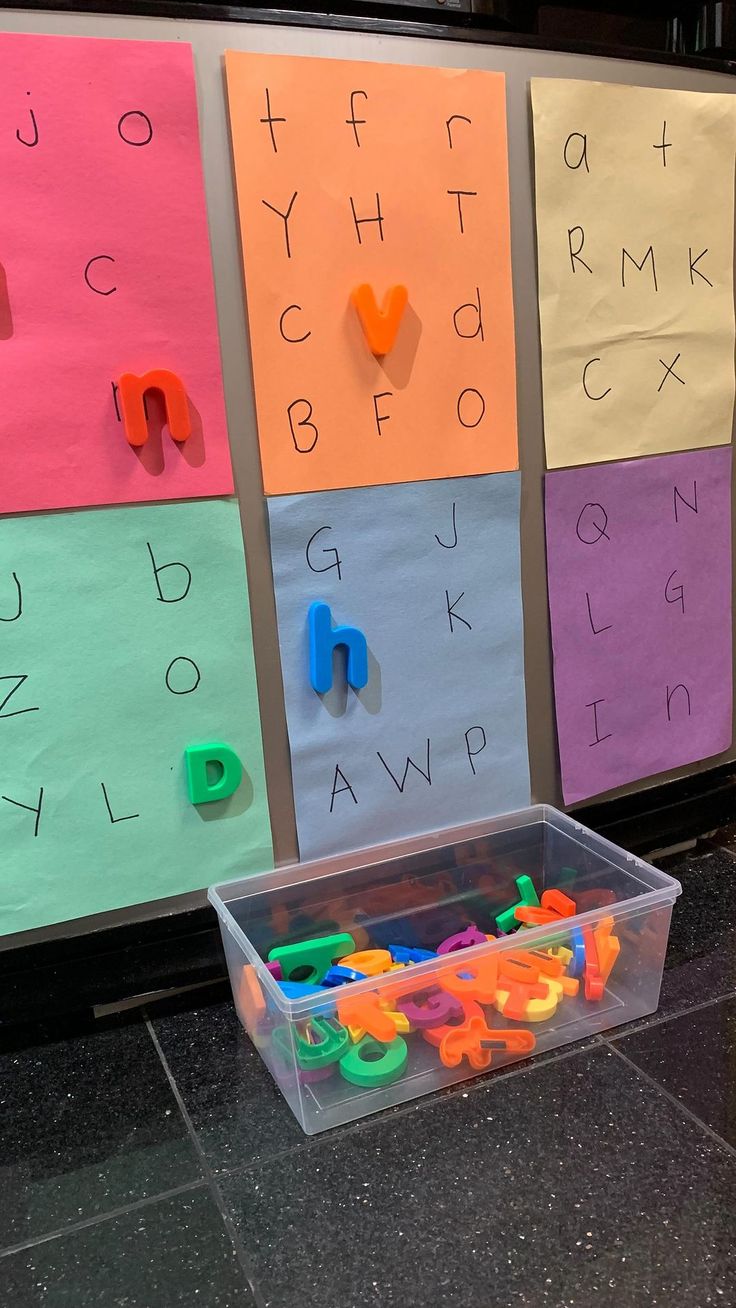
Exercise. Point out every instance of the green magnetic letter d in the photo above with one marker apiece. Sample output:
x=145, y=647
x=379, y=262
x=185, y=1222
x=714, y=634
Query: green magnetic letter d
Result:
x=201, y=761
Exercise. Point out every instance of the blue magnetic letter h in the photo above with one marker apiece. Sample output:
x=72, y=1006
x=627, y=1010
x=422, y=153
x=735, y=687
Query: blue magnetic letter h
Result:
x=323, y=638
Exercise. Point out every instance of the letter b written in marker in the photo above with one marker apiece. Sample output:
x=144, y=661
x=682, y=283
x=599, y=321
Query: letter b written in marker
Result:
x=323, y=639
x=213, y=771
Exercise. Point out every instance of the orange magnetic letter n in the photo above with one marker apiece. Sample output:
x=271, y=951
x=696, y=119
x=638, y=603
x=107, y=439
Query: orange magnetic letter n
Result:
x=132, y=392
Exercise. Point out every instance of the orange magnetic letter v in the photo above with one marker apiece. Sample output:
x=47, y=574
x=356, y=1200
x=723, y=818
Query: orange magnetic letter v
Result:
x=132, y=394
x=380, y=326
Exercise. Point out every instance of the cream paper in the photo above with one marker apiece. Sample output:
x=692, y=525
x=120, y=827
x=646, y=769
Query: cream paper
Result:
x=635, y=234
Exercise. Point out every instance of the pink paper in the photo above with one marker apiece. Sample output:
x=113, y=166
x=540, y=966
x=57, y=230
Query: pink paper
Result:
x=639, y=577
x=77, y=191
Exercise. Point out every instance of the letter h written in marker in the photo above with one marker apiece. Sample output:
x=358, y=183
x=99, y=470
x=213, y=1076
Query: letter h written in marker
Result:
x=323, y=639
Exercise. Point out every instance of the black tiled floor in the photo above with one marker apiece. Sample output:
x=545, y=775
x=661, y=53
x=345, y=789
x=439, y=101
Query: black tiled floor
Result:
x=88, y=1124
x=694, y=1057
x=174, y=1252
x=701, y=956
x=570, y=1182
x=234, y=1105
x=538, y=1189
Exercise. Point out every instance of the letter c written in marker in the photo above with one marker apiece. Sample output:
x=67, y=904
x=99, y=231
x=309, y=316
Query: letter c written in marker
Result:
x=293, y=340
x=98, y=290
x=590, y=394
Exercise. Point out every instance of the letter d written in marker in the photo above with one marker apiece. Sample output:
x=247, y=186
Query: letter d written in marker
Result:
x=214, y=771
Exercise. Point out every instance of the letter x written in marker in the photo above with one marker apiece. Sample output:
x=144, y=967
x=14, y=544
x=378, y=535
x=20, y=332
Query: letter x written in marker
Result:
x=380, y=326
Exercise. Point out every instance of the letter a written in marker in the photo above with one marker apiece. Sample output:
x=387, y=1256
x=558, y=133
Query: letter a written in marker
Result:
x=380, y=326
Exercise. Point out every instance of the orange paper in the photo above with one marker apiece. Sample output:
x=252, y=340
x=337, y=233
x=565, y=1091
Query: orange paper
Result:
x=354, y=174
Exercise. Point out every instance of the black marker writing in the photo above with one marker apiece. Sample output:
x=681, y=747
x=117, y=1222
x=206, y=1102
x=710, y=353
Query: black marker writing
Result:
x=678, y=495
x=381, y=417
x=339, y=790
x=639, y=266
x=454, y=532
x=163, y=567
x=583, y=155
x=19, y=601
x=271, y=120
x=186, y=690
x=285, y=218
x=598, y=738
x=329, y=566
x=589, y=522
x=586, y=388
x=98, y=290
x=30, y=808
x=359, y=222
x=355, y=123
x=575, y=255
x=452, y=616
x=460, y=195
x=139, y=125
x=596, y=630
x=669, y=372
x=126, y=818
x=302, y=422
x=456, y=118
x=18, y=678
x=473, y=753
x=677, y=595
x=409, y=764
x=464, y=406
x=293, y=340
x=693, y=268
x=670, y=694
x=34, y=124
x=665, y=145
x=475, y=308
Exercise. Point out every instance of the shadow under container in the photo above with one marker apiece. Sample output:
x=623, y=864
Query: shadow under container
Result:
x=417, y=893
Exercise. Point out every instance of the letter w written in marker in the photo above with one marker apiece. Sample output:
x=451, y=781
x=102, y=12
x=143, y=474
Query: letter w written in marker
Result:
x=380, y=326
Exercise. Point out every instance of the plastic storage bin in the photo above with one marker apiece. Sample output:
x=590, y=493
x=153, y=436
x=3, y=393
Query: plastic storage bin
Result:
x=417, y=894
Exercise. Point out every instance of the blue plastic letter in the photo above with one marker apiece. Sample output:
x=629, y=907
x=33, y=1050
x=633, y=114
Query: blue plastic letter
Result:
x=323, y=639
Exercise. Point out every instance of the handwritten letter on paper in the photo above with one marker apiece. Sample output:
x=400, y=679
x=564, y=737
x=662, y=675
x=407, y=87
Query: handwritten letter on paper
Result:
x=635, y=232
x=427, y=575
x=127, y=633
x=639, y=567
x=374, y=213
x=104, y=271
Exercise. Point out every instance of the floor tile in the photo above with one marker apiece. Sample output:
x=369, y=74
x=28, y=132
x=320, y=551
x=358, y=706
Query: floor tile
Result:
x=701, y=957
x=89, y=1124
x=574, y=1182
x=235, y=1108
x=694, y=1057
x=174, y=1252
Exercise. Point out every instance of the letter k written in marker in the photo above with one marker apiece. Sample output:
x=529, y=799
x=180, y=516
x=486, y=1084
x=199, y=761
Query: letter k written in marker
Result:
x=380, y=326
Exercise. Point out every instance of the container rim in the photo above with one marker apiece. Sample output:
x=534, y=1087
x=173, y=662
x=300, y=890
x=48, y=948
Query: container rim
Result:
x=665, y=890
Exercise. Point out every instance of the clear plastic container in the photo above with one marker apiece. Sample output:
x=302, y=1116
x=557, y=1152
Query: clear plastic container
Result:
x=417, y=894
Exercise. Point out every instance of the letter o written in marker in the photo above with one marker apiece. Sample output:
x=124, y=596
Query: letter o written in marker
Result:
x=471, y=407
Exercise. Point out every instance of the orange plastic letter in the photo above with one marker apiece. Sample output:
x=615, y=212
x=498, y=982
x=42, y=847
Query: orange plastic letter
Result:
x=132, y=392
x=380, y=326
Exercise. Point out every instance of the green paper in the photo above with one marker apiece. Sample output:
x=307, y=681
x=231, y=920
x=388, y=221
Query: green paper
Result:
x=108, y=673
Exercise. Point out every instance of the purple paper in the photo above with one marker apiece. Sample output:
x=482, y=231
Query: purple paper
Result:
x=639, y=579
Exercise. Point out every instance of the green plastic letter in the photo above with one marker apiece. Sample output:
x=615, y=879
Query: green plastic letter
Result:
x=202, y=789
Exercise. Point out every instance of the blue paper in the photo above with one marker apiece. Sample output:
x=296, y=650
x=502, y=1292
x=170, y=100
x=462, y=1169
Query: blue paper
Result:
x=429, y=572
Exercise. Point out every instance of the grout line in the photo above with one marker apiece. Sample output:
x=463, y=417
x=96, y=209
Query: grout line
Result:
x=237, y=1243
x=615, y=1033
x=677, y=1103
x=86, y=1222
x=420, y=1104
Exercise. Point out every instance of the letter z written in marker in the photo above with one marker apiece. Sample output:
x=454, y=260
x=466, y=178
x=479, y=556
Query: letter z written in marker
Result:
x=18, y=679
